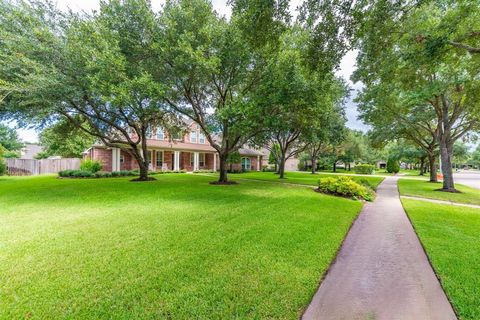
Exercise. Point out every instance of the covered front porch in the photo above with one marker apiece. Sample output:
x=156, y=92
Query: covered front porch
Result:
x=163, y=160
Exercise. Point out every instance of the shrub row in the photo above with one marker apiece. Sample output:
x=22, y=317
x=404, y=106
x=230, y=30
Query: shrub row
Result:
x=364, y=169
x=168, y=171
x=100, y=174
x=204, y=171
x=345, y=187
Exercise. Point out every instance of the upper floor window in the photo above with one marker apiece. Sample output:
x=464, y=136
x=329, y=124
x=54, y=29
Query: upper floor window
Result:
x=176, y=136
x=149, y=133
x=201, y=138
x=193, y=136
x=160, y=134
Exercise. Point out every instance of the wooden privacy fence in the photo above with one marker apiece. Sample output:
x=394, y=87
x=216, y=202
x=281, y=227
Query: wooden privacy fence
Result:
x=28, y=167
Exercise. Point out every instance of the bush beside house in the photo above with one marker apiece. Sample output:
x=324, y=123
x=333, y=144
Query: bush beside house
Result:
x=90, y=165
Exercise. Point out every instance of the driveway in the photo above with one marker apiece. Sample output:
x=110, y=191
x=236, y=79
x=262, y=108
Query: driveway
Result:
x=468, y=178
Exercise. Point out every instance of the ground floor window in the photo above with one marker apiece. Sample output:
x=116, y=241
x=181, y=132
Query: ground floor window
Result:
x=246, y=164
x=201, y=159
x=149, y=157
x=159, y=159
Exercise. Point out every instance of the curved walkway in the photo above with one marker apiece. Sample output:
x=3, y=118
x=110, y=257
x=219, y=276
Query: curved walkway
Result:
x=381, y=271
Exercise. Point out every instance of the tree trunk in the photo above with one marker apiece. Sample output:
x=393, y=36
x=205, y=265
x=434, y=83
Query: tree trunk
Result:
x=335, y=166
x=314, y=165
x=142, y=162
x=446, y=156
x=143, y=171
x=422, y=166
x=281, y=167
x=223, y=168
x=432, y=168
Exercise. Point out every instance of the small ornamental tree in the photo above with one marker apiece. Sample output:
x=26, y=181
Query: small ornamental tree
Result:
x=393, y=166
x=233, y=158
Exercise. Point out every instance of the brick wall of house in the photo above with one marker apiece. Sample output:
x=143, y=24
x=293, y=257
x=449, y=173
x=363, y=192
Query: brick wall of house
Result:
x=208, y=161
x=104, y=156
x=167, y=158
x=127, y=161
x=185, y=163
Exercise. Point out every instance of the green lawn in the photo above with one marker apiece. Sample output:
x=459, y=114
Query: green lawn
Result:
x=451, y=237
x=424, y=189
x=301, y=177
x=176, y=248
x=403, y=172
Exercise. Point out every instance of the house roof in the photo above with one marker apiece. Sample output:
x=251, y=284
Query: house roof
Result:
x=249, y=152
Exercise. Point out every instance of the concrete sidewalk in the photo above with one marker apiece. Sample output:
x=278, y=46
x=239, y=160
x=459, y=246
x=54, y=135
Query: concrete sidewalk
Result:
x=381, y=271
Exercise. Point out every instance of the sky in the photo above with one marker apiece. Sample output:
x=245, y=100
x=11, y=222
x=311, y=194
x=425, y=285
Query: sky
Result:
x=346, y=67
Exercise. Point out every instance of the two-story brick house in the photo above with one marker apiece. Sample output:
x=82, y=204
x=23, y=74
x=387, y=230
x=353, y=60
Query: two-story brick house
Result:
x=189, y=152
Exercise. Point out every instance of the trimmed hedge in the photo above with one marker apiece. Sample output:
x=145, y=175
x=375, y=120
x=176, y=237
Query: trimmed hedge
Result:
x=168, y=171
x=364, y=169
x=268, y=169
x=345, y=187
x=100, y=174
x=204, y=171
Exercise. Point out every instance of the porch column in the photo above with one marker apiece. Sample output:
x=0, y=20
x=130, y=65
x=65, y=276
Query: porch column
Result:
x=195, y=161
x=215, y=162
x=115, y=159
x=258, y=163
x=176, y=160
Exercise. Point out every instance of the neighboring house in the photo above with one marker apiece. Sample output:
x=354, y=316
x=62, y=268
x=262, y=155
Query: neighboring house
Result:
x=189, y=152
x=381, y=164
x=30, y=150
x=290, y=165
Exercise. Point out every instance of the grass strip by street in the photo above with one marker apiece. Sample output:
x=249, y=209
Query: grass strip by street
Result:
x=425, y=189
x=451, y=238
x=175, y=248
